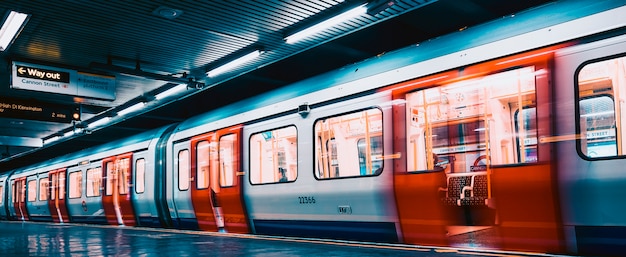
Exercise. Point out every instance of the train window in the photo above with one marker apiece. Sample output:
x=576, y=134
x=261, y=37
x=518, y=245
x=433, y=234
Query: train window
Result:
x=227, y=160
x=526, y=129
x=349, y=145
x=110, y=169
x=43, y=189
x=123, y=171
x=601, y=92
x=140, y=175
x=62, y=185
x=274, y=156
x=183, y=170
x=53, y=186
x=464, y=126
x=94, y=181
x=76, y=184
x=203, y=150
x=32, y=190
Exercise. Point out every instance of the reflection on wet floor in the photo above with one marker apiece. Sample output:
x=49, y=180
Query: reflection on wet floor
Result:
x=47, y=239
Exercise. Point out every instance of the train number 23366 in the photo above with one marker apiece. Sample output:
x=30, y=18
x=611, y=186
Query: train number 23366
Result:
x=306, y=199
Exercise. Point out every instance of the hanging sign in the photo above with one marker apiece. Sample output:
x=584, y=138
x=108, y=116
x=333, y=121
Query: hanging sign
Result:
x=62, y=81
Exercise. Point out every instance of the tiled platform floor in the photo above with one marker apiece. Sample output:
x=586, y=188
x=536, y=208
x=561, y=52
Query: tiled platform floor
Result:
x=47, y=239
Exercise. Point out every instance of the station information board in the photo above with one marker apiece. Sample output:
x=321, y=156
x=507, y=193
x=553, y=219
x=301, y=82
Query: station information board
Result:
x=36, y=110
x=62, y=81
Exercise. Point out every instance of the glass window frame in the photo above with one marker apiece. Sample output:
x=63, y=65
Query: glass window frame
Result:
x=140, y=177
x=578, y=98
x=233, y=157
x=44, y=187
x=71, y=181
x=327, y=143
x=204, y=183
x=250, y=155
x=98, y=185
x=32, y=190
x=187, y=179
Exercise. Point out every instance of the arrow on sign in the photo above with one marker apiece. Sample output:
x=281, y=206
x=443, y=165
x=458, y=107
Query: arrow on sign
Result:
x=21, y=70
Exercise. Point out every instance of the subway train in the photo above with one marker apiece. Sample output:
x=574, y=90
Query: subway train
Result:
x=502, y=136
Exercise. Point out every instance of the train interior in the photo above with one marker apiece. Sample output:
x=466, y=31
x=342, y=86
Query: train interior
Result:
x=463, y=128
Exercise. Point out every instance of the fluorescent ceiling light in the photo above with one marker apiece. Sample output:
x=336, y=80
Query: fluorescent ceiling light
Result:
x=69, y=133
x=11, y=26
x=234, y=63
x=50, y=140
x=99, y=122
x=352, y=13
x=170, y=91
x=132, y=108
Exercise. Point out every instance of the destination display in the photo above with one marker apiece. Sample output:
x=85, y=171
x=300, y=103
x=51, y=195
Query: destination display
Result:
x=62, y=81
x=35, y=110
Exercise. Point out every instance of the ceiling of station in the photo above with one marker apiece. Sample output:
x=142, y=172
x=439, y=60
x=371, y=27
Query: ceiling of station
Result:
x=150, y=46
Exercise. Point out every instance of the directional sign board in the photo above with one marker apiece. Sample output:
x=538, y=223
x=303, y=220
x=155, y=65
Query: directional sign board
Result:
x=35, y=110
x=62, y=81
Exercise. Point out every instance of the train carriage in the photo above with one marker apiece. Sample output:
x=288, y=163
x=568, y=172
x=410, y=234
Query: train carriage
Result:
x=323, y=173
x=504, y=136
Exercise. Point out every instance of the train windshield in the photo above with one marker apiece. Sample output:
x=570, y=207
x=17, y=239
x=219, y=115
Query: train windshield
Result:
x=467, y=125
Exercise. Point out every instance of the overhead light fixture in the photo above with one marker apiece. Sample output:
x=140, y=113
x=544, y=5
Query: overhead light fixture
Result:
x=231, y=65
x=170, y=91
x=12, y=25
x=50, y=140
x=69, y=133
x=99, y=122
x=345, y=16
x=132, y=108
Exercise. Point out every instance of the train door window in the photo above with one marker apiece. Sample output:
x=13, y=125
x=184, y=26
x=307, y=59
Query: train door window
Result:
x=464, y=126
x=32, y=190
x=349, y=145
x=227, y=160
x=601, y=94
x=62, y=185
x=183, y=170
x=76, y=184
x=123, y=171
x=526, y=129
x=53, y=187
x=43, y=189
x=110, y=169
x=140, y=175
x=274, y=156
x=94, y=181
x=202, y=164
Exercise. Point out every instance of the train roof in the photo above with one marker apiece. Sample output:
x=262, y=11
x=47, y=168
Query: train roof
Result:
x=531, y=20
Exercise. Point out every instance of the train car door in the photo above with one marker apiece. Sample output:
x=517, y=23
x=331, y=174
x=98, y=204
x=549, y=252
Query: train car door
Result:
x=591, y=146
x=202, y=168
x=37, y=208
x=181, y=205
x=473, y=159
x=229, y=188
x=56, y=201
x=116, y=200
x=425, y=225
x=19, y=198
